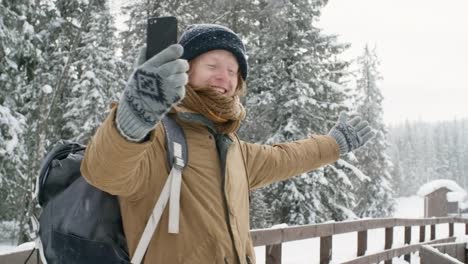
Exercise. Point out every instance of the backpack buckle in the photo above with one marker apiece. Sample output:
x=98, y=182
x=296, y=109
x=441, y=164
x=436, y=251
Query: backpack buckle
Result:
x=178, y=163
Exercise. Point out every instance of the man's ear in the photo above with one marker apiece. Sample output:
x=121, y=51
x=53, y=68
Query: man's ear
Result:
x=241, y=88
x=190, y=63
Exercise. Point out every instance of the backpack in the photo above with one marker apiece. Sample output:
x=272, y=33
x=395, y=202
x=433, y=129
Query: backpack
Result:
x=80, y=223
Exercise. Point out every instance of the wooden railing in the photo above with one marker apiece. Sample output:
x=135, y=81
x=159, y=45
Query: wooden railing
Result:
x=448, y=253
x=273, y=238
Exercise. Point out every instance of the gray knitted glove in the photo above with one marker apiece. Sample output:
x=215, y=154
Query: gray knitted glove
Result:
x=352, y=134
x=151, y=90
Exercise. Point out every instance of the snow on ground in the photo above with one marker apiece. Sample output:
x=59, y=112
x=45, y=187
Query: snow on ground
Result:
x=6, y=246
x=409, y=207
x=345, y=245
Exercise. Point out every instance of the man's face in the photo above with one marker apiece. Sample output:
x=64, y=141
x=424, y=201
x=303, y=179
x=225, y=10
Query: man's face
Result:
x=216, y=69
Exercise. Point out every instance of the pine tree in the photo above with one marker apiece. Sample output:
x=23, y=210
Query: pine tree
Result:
x=260, y=215
x=375, y=197
x=429, y=151
x=294, y=90
x=19, y=56
x=96, y=77
x=187, y=12
x=12, y=156
x=51, y=48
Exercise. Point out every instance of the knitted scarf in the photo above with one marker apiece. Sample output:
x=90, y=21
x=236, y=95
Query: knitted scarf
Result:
x=226, y=112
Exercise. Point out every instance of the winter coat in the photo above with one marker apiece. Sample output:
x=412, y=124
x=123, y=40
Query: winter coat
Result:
x=214, y=216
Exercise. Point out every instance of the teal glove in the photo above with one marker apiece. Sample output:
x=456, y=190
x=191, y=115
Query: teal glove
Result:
x=352, y=134
x=152, y=89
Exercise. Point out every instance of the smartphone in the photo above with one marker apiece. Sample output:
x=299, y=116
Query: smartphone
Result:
x=161, y=32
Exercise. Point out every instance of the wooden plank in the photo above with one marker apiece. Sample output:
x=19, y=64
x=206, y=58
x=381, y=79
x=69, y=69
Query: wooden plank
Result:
x=407, y=242
x=21, y=256
x=461, y=220
x=450, y=229
x=273, y=254
x=433, y=232
x=262, y=237
x=461, y=252
x=388, y=242
x=450, y=249
x=426, y=221
x=381, y=223
x=394, y=252
x=388, y=237
x=299, y=232
x=422, y=233
x=466, y=256
x=456, y=250
x=429, y=255
x=324, y=230
x=326, y=249
x=362, y=243
x=351, y=226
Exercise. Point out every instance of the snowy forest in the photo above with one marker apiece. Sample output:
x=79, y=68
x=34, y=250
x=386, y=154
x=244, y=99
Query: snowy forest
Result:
x=422, y=152
x=62, y=62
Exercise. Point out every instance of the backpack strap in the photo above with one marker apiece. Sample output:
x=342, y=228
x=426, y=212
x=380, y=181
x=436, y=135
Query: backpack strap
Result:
x=177, y=157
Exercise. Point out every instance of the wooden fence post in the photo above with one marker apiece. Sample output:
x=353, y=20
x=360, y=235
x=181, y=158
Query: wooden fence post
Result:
x=362, y=243
x=388, y=241
x=273, y=254
x=433, y=232
x=408, y=241
x=325, y=249
x=422, y=233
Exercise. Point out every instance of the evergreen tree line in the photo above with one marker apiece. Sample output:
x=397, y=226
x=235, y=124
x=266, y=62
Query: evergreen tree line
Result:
x=424, y=151
x=62, y=63
x=58, y=73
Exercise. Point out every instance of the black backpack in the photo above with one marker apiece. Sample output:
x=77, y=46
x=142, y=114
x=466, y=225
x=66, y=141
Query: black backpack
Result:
x=80, y=223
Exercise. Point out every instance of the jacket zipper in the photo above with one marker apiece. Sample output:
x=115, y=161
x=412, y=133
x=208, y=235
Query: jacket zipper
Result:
x=226, y=206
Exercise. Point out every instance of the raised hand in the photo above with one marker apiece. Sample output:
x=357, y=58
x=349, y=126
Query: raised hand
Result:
x=352, y=134
x=152, y=89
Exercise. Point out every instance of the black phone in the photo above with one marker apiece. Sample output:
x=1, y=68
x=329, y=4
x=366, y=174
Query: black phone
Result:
x=161, y=32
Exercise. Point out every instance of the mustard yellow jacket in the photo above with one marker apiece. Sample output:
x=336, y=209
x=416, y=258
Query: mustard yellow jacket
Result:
x=214, y=217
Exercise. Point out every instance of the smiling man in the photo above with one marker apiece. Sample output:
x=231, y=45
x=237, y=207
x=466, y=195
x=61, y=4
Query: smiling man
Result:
x=198, y=82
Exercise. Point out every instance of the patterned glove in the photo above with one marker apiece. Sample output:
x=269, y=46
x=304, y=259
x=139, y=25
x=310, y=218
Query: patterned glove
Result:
x=152, y=89
x=352, y=134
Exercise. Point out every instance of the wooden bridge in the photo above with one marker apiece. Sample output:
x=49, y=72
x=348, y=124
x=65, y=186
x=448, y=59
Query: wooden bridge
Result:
x=273, y=239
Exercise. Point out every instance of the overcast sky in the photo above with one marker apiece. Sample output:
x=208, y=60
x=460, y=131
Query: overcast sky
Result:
x=423, y=48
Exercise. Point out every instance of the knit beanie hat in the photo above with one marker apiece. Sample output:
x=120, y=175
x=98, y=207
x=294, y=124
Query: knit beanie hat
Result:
x=200, y=38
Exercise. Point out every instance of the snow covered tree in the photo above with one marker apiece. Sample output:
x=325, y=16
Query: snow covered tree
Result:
x=260, y=214
x=295, y=89
x=429, y=151
x=12, y=156
x=133, y=38
x=375, y=197
x=60, y=73
x=19, y=57
x=96, y=76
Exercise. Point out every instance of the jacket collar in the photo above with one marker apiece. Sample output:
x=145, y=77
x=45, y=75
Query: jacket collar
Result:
x=198, y=118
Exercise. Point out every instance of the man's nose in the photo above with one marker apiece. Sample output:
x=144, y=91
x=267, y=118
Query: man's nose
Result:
x=222, y=74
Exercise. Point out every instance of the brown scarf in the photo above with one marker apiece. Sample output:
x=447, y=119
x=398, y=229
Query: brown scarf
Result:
x=226, y=112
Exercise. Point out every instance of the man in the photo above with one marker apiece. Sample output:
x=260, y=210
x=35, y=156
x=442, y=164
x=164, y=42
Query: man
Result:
x=198, y=80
